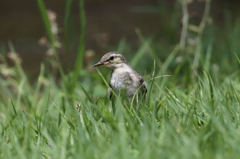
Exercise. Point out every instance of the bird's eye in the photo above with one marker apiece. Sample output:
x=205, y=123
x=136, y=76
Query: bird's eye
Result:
x=111, y=58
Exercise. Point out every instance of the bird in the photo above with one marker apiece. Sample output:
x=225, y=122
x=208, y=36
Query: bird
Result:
x=123, y=77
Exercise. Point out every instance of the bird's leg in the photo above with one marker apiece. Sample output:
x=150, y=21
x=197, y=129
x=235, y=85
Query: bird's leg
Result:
x=113, y=106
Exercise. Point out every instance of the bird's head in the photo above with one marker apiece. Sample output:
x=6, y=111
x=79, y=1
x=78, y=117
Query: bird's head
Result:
x=112, y=60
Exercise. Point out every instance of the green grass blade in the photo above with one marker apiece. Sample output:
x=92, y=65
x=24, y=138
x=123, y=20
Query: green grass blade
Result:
x=66, y=23
x=88, y=96
x=140, y=53
x=81, y=49
x=50, y=34
x=237, y=57
x=14, y=110
x=46, y=21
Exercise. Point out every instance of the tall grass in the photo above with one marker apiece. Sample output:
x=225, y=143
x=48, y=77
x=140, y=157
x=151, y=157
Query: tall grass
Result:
x=183, y=117
x=70, y=86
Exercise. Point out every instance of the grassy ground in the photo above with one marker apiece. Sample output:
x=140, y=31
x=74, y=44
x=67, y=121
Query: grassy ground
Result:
x=193, y=113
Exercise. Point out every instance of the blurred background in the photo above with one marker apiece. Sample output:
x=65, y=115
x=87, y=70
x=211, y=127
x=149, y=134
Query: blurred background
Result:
x=110, y=26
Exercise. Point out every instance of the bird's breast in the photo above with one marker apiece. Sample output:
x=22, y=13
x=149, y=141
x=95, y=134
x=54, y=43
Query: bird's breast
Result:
x=119, y=80
x=124, y=79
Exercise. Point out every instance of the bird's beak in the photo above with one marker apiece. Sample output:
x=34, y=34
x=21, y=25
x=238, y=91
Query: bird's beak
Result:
x=101, y=63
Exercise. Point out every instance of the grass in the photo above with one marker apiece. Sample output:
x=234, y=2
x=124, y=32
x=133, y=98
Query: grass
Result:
x=194, y=113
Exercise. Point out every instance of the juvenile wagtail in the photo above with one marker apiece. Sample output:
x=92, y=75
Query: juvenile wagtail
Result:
x=123, y=76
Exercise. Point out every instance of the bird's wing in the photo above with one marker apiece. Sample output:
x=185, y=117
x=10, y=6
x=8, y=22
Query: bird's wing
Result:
x=142, y=84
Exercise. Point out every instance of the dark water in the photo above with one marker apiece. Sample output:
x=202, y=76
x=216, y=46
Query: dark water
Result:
x=108, y=22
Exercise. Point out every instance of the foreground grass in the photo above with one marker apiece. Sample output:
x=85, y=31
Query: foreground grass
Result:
x=195, y=120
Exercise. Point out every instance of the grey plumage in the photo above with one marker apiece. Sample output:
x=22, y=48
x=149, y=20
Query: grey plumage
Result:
x=123, y=77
